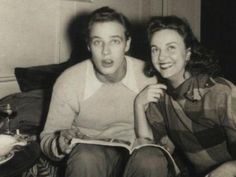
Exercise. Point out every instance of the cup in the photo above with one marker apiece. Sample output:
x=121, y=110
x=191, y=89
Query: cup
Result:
x=7, y=144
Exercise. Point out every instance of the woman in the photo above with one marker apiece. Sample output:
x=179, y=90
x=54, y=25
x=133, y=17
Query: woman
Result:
x=193, y=105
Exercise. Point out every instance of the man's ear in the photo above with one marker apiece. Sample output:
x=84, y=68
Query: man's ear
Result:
x=128, y=42
x=188, y=54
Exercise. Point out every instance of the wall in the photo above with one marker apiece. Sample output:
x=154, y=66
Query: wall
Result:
x=189, y=9
x=36, y=32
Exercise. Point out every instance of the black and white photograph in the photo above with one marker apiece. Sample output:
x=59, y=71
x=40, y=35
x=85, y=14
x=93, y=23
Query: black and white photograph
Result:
x=117, y=88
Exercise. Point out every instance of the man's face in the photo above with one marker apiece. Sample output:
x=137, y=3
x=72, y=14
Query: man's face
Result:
x=108, y=46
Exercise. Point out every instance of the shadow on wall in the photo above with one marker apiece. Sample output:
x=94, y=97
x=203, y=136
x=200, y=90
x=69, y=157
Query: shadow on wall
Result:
x=43, y=77
x=76, y=38
x=139, y=45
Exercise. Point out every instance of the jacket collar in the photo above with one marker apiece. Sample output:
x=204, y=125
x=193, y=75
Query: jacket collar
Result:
x=193, y=88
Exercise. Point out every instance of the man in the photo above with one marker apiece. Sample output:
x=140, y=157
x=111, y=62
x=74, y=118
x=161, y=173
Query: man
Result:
x=95, y=99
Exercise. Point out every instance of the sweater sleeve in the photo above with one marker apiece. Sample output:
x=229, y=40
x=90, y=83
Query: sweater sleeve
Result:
x=60, y=117
x=156, y=120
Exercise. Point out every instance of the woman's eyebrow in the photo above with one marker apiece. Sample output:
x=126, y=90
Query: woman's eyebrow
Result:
x=154, y=46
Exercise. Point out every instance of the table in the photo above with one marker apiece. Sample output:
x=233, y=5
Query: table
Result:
x=22, y=160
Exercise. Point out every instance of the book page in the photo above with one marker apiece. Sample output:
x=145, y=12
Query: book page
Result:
x=130, y=146
x=104, y=141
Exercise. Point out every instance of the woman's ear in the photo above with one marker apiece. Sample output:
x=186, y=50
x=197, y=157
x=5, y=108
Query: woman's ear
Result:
x=88, y=47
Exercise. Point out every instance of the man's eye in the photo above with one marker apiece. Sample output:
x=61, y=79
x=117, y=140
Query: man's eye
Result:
x=115, y=41
x=97, y=43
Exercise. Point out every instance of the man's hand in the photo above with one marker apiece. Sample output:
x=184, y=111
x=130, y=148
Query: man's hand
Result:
x=65, y=137
x=228, y=169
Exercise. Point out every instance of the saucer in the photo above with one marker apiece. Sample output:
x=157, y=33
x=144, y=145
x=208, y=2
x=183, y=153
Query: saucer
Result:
x=6, y=158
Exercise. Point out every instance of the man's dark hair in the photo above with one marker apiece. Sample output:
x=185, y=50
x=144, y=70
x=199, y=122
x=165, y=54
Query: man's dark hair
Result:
x=106, y=14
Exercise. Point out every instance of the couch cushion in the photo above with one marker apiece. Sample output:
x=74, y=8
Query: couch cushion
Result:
x=31, y=109
x=38, y=77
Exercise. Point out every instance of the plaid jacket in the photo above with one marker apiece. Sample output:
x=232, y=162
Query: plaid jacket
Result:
x=200, y=118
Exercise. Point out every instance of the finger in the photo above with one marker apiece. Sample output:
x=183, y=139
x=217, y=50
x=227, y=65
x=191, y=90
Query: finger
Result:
x=155, y=95
x=158, y=86
x=68, y=134
x=63, y=144
x=68, y=150
x=153, y=99
x=164, y=140
x=157, y=92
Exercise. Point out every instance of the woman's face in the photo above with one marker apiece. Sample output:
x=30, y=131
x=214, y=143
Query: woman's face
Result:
x=169, y=55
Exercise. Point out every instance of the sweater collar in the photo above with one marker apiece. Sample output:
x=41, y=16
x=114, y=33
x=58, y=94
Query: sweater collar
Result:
x=92, y=84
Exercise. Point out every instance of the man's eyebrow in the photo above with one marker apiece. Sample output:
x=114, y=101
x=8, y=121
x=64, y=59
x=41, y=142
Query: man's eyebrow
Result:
x=117, y=36
x=94, y=37
x=173, y=42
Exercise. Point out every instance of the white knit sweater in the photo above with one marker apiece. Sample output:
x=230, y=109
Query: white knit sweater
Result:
x=101, y=110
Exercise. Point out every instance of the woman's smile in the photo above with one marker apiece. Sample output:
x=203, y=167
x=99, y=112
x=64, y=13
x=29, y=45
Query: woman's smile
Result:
x=165, y=65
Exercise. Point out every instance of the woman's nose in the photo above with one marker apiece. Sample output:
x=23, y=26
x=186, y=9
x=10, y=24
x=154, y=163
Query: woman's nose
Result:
x=162, y=55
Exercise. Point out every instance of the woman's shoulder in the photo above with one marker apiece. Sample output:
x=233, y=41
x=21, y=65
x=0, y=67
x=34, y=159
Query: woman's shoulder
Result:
x=221, y=90
x=221, y=84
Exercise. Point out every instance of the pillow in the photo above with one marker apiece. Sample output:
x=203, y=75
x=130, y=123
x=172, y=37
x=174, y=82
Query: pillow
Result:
x=38, y=77
x=31, y=109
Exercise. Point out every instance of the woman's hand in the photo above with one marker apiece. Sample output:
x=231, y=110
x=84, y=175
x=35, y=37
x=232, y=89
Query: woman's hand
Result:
x=167, y=143
x=227, y=169
x=151, y=93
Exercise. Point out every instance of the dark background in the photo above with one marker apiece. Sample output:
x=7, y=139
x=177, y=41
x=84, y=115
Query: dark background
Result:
x=218, y=32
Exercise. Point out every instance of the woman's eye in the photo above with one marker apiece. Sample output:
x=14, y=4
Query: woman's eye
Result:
x=171, y=48
x=154, y=50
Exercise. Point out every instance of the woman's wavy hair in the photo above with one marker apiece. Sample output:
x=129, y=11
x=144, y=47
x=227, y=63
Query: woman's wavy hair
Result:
x=202, y=60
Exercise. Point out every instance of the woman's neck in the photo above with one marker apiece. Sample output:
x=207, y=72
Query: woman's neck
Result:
x=177, y=82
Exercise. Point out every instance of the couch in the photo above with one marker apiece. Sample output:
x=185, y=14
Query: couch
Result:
x=31, y=106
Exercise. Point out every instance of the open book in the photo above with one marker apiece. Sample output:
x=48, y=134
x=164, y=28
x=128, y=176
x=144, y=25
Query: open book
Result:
x=130, y=146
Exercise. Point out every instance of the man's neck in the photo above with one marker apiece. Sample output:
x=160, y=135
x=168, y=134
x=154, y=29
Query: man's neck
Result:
x=115, y=77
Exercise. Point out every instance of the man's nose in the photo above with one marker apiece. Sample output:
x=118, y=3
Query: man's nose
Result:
x=106, y=49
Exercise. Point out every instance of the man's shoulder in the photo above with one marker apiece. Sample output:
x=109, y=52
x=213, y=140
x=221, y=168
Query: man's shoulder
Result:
x=74, y=74
x=136, y=61
x=76, y=70
x=139, y=72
